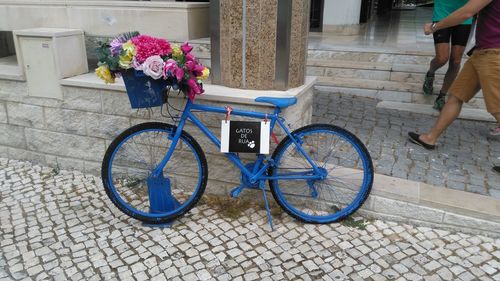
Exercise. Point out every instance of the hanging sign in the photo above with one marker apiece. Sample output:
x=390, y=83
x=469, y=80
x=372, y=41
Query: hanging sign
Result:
x=245, y=137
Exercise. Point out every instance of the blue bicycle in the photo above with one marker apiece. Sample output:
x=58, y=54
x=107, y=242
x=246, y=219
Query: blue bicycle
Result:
x=156, y=172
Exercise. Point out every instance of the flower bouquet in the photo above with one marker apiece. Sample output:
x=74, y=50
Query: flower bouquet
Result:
x=149, y=66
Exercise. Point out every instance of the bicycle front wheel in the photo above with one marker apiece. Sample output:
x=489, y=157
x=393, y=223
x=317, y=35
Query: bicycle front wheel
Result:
x=135, y=185
x=330, y=193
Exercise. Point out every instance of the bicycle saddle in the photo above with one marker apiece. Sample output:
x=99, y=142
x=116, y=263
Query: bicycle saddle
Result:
x=278, y=102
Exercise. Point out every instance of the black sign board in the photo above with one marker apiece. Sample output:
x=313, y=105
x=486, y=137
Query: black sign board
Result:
x=245, y=137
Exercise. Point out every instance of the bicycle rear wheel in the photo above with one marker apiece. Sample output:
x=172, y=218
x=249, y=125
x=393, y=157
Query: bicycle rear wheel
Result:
x=129, y=181
x=344, y=163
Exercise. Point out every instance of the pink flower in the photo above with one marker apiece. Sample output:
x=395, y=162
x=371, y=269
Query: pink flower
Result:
x=189, y=57
x=147, y=46
x=186, y=48
x=153, y=67
x=179, y=74
x=170, y=68
x=194, y=89
x=195, y=69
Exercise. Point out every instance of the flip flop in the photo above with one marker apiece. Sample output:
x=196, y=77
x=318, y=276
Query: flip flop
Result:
x=415, y=138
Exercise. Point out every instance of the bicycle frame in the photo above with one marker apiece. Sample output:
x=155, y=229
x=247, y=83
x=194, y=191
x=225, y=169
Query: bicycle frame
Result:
x=258, y=173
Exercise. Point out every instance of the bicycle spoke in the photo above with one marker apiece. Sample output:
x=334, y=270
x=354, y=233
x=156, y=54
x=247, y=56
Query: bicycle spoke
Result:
x=141, y=153
x=340, y=176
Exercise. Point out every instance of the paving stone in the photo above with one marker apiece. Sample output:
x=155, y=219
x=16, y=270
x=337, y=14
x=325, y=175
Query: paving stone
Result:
x=86, y=238
x=387, y=129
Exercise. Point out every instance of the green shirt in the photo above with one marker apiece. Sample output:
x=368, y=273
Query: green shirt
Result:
x=443, y=8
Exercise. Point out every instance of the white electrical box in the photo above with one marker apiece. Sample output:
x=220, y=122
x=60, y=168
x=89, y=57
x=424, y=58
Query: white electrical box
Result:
x=48, y=55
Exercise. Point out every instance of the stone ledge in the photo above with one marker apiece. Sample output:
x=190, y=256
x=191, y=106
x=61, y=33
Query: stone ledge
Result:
x=212, y=92
x=8, y=72
x=466, y=113
x=315, y=46
x=154, y=4
x=444, y=199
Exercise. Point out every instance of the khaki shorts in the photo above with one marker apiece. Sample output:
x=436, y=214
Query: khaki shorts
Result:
x=481, y=71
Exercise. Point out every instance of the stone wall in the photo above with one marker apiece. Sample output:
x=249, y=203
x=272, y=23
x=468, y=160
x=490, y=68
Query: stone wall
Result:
x=260, y=44
x=74, y=133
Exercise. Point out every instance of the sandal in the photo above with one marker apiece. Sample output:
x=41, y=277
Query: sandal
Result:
x=495, y=131
x=496, y=169
x=415, y=138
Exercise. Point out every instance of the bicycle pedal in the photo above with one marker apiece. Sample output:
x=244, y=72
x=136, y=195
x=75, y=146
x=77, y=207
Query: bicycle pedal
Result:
x=235, y=193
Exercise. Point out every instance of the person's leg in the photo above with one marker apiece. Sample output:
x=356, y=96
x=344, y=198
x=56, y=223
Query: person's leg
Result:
x=496, y=131
x=442, y=48
x=457, y=53
x=459, y=38
x=441, y=58
x=488, y=66
x=463, y=89
x=450, y=112
x=497, y=117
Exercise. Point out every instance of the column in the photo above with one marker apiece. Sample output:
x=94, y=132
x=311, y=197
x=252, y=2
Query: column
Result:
x=259, y=44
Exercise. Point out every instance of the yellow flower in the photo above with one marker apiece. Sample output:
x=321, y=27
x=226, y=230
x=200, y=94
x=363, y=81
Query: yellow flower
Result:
x=105, y=74
x=177, y=52
x=206, y=73
x=129, y=53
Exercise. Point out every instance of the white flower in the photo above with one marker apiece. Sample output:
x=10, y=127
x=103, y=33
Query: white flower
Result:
x=153, y=67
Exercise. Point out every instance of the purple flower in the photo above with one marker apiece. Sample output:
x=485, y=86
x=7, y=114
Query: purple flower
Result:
x=116, y=46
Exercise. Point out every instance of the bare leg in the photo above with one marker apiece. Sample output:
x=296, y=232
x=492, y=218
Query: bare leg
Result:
x=457, y=53
x=497, y=117
x=450, y=112
x=441, y=58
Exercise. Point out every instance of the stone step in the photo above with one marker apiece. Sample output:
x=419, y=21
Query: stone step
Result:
x=395, y=96
x=368, y=56
x=370, y=84
x=396, y=77
x=369, y=65
x=466, y=113
x=378, y=75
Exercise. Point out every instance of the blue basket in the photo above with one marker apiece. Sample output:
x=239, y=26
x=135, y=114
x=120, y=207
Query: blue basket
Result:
x=144, y=91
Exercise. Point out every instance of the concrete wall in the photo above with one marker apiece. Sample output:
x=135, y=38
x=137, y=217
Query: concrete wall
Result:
x=172, y=20
x=341, y=12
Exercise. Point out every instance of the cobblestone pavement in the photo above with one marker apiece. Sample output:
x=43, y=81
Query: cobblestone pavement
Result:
x=58, y=225
x=463, y=160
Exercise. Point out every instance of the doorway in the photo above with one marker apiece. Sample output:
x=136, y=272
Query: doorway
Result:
x=366, y=11
x=316, y=16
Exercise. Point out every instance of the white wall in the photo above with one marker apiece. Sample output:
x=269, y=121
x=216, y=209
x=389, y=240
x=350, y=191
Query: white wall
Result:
x=172, y=20
x=341, y=12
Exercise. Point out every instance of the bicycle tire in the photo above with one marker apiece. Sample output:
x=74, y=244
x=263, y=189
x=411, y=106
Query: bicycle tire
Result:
x=139, y=130
x=280, y=195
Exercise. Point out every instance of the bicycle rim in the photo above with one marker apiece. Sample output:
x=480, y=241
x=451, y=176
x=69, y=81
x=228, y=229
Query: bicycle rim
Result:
x=337, y=153
x=128, y=176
